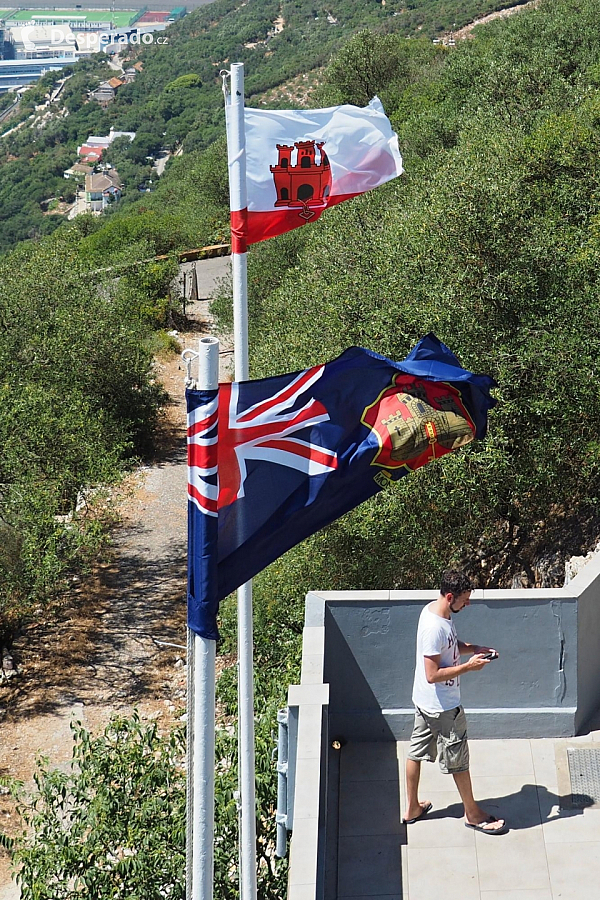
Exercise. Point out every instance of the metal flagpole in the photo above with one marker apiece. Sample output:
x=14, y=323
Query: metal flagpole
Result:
x=201, y=713
x=236, y=151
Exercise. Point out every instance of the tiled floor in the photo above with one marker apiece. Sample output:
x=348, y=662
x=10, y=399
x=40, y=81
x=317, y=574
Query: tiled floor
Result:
x=550, y=853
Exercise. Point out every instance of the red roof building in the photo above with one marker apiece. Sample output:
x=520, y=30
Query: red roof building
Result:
x=92, y=154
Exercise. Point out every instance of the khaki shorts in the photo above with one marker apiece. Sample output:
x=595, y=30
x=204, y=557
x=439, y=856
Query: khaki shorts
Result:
x=443, y=734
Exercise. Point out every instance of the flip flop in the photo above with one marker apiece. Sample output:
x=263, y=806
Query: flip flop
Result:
x=425, y=810
x=483, y=830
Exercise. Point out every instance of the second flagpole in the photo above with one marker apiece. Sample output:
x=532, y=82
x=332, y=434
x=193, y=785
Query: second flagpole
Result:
x=236, y=147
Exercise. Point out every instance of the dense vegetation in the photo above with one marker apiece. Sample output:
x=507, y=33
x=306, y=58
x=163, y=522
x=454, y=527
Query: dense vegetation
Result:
x=177, y=99
x=78, y=400
x=113, y=825
x=491, y=240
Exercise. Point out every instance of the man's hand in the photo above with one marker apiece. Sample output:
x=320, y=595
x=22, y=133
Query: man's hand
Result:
x=476, y=662
x=435, y=674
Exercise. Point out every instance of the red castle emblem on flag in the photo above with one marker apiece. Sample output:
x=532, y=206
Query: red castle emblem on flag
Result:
x=417, y=421
x=305, y=185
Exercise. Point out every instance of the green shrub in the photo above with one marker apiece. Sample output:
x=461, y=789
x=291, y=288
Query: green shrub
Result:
x=78, y=400
x=113, y=825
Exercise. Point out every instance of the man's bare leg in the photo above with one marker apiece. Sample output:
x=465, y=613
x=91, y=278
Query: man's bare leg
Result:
x=474, y=814
x=414, y=809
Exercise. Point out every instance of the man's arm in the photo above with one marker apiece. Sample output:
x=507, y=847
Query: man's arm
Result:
x=465, y=647
x=435, y=674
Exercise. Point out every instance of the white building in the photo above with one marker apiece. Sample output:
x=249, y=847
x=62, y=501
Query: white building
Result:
x=106, y=141
x=102, y=143
x=43, y=42
x=101, y=189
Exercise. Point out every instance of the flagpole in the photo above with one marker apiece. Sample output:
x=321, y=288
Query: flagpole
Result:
x=201, y=713
x=236, y=144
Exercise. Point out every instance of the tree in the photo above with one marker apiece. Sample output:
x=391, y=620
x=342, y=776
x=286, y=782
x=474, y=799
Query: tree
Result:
x=146, y=144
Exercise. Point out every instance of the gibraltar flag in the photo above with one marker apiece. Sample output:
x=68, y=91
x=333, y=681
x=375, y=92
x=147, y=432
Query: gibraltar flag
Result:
x=300, y=162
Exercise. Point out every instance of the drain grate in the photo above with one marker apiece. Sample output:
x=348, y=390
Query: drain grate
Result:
x=584, y=771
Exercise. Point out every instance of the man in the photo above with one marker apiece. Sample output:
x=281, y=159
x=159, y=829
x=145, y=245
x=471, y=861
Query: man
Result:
x=440, y=724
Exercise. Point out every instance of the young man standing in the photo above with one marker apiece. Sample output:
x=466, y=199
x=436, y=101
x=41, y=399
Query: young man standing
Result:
x=440, y=724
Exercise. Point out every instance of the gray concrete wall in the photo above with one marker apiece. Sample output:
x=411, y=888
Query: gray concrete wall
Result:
x=587, y=586
x=369, y=657
x=546, y=682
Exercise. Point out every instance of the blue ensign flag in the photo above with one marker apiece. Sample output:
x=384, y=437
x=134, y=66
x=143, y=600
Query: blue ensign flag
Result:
x=297, y=451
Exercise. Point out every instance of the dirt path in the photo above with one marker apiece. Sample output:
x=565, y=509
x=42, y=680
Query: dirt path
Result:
x=466, y=32
x=109, y=648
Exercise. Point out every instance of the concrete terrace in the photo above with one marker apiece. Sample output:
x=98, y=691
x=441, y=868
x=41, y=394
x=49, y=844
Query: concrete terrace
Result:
x=350, y=719
x=549, y=854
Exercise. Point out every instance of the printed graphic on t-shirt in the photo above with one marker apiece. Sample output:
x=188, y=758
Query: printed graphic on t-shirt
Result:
x=453, y=647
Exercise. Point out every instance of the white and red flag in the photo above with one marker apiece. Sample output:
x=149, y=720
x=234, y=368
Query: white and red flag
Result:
x=300, y=162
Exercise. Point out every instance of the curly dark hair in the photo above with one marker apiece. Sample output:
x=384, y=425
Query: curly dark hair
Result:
x=454, y=582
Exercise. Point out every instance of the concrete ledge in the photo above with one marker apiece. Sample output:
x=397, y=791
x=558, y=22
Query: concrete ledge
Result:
x=308, y=695
x=548, y=659
x=314, y=610
x=585, y=577
x=397, y=724
x=308, y=705
x=521, y=723
x=313, y=655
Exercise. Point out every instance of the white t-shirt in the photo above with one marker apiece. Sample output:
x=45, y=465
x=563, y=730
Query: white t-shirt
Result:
x=436, y=636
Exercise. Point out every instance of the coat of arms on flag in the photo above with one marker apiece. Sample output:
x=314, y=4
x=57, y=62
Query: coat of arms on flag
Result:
x=305, y=183
x=416, y=422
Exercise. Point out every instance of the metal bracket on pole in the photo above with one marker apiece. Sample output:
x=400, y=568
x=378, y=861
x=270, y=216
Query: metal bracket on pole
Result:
x=281, y=816
x=188, y=356
x=225, y=74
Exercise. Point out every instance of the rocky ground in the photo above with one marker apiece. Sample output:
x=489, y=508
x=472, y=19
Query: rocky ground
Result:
x=117, y=641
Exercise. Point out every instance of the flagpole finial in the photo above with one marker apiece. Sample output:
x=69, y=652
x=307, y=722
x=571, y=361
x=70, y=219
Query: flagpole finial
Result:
x=225, y=74
x=188, y=356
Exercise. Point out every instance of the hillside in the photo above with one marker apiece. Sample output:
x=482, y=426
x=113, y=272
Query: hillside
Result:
x=176, y=100
x=115, y=641
x=491, y=240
